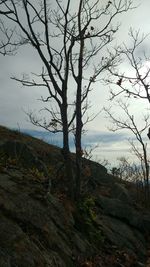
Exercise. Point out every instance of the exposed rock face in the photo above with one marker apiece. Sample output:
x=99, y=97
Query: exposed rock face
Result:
x=45, y=230
x=123, y=225
x=35, y=229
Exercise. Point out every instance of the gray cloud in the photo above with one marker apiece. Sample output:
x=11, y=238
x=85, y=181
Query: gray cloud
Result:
x=14, y=98
x=108, y=145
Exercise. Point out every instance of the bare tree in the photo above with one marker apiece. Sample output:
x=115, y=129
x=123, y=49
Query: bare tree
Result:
x=131, y=79
x=132, y=75
x=128, y=122
x=123, y=169
x=70, y=39
x=130, y=171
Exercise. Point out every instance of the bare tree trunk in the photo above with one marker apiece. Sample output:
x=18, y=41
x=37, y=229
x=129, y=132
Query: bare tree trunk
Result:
x=66, y=152
x=79, y=126
x=79, y=123
x=146, y=175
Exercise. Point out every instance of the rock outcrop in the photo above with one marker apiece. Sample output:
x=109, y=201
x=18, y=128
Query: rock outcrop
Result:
x=42, y=229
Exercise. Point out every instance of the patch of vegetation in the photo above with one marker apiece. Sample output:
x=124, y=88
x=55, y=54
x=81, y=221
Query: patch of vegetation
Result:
x=86, y=207
x=6, y=160
x=86, y=221
x=37, y=174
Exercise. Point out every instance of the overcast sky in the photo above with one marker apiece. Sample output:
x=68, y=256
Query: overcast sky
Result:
x=15, y=100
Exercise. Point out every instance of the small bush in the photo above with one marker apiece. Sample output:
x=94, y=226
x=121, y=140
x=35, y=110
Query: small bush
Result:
x=37, y=174
x=87, y=220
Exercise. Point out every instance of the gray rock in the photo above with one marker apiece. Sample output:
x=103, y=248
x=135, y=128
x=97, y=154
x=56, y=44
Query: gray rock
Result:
x=36, y=228
x=35, y=232
x=122, y=235
x=118, y=209
x=118, y=191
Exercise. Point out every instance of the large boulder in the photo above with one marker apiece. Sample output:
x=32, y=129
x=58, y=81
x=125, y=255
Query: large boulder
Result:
x=125, y=212
x=119, y=233
x=119, y=191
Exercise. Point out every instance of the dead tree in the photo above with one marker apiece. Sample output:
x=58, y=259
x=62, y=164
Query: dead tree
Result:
x=128, y=122
x=132, y=80
x=70, y=39
x=133, y=84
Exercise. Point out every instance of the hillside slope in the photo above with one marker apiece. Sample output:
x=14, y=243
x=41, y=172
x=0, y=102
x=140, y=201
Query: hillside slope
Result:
x=41, y=227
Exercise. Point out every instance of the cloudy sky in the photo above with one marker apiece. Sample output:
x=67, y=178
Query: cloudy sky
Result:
x=15, y=100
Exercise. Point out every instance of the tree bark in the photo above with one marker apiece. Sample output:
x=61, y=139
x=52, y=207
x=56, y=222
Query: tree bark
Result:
x=66, y=152
x=79, y=126
x=147, y=195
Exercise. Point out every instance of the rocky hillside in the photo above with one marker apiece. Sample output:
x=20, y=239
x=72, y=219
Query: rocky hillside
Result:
x=41, y=227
